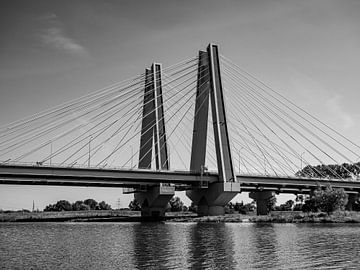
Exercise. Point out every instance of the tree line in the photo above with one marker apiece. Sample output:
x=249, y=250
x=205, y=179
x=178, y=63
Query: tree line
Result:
x=323, y=199
x=88, y=204
x=345, y=170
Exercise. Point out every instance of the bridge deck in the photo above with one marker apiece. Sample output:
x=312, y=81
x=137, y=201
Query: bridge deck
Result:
x=46, y=175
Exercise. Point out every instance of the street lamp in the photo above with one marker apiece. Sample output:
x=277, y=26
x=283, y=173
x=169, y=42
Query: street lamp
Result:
x=89, y=151
x=265, y=165
x=50, y=151
x=131, y=156
x=301, y=160
x=240, y=159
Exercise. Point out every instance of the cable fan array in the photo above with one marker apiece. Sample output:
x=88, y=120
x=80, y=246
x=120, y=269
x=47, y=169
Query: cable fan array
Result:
x=103, y=129
x=271, y=135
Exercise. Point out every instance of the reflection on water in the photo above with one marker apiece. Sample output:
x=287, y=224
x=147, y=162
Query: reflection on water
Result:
x=264, y=239
x=211, y=246
x=154, y=246
x=178, y=246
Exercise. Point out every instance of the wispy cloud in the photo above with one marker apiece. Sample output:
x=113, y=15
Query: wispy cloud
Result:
x=334, y=106
x=312, y=91
x=54, y=36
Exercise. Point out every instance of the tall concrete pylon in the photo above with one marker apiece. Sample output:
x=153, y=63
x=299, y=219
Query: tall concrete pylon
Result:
x=153, y=136
x=153, y=122
x=211, y=200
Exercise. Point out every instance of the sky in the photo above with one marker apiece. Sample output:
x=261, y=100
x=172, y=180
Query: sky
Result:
x=54, y=51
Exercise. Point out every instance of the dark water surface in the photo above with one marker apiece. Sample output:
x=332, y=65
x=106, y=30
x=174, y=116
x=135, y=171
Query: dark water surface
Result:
x=178, y=246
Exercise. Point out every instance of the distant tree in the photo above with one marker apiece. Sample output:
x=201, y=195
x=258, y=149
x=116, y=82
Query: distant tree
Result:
x=193, y=207
x=76, y=206
x=300, y=198
x=310, y=205
x=327, y=200
x=49, y=208
x=134, y=205
x=88, y=204
x=104, y=206
x=229, y=208
x=331, y=199
x=176, y=205
x=84, y=207
x=91, y=203
x=344, y=170
x=271, y=202
x=62, y=205
x=244, y=208
x=286, y=206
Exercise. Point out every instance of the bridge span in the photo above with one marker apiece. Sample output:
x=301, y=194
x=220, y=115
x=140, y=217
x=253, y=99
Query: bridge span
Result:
x=182, y=180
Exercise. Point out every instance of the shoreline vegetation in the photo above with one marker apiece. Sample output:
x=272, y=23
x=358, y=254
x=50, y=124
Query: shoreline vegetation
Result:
x=325, y=205
x=135, y=216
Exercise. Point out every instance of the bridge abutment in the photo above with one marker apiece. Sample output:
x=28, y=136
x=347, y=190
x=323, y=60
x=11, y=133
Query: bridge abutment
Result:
x=261, y=198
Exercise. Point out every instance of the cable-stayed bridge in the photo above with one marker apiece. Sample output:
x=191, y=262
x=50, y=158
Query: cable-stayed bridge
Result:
x=204, y=125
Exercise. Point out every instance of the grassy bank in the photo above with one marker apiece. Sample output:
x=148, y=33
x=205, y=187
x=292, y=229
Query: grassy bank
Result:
x=125, y=215
x=91, y=215
x=300, y=217
x=230, y=218
x=280, y=217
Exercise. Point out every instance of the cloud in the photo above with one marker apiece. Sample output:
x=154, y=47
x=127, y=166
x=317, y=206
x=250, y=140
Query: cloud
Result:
x=54, y=36
x=334, y=105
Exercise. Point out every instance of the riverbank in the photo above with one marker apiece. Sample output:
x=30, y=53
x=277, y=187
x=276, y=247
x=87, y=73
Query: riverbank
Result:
x=85, y=216
x=135, y=216
x=91, y=215
x=279, y=217
x=300, y=217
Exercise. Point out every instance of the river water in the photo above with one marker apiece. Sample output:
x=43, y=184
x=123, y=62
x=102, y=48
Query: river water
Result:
x=178, y=246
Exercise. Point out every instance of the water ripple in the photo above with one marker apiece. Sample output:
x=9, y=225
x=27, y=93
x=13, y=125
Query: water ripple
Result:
x=178, y=246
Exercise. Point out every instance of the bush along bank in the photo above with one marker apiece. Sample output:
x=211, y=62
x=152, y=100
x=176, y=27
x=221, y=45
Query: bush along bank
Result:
x=300, y=217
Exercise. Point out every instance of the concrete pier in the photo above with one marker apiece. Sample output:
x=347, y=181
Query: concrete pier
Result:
x=261, y=199
x=352, y=198
x=155, y=200
x=211, y=201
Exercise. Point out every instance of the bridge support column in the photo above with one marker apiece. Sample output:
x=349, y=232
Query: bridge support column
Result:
x=211, y=201
x=155, y=200
x=261, y=199
x=352, y=198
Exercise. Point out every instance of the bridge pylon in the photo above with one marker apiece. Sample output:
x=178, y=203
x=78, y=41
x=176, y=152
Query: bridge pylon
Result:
x=153, y=136
x=211, y=199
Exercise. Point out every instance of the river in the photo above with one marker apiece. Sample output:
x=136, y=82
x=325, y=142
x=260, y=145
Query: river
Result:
x=179, y=246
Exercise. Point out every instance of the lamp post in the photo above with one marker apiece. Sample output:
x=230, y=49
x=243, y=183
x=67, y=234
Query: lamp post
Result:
x=131, y=156
x=265, y=165
x=89, y=151
x=240, y=159
x=301, y=160
x=50, y=151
